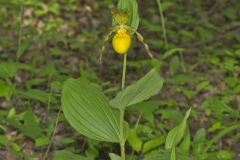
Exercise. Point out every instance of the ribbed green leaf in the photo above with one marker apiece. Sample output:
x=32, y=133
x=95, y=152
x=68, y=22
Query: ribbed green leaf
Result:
x=67, y=155
x=134, y=141
x=143, y=89
x=177, y=133
x=8, y=69
x=6, y=90
x=153, y=143
x=38, y=95
x=132, y=7
x=173, y=154
x=186, y=142
x=114, y=156
x=88, y=111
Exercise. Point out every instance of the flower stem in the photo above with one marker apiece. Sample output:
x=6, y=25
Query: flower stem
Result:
x=124, y=70
x=122, y=143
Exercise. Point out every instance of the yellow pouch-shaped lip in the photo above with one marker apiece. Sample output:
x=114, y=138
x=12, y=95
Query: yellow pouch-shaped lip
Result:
x=121, y=41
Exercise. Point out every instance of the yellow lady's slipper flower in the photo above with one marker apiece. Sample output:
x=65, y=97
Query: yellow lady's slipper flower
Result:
x=121, y=41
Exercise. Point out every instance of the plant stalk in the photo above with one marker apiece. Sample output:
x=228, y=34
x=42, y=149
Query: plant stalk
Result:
x=163, y=24
x=122, y=143
x=20, y=30
x=124, y=70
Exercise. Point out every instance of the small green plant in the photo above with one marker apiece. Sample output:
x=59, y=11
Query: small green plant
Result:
x=92, y=114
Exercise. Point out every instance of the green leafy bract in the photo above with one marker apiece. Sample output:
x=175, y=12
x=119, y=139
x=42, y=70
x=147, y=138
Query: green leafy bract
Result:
x=146, y=87
x=132, y=7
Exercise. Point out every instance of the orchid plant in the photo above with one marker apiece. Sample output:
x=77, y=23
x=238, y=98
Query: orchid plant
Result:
x=92, y=114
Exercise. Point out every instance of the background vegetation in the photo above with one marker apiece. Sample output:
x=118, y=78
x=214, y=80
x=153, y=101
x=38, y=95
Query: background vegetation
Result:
x=43, y=43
